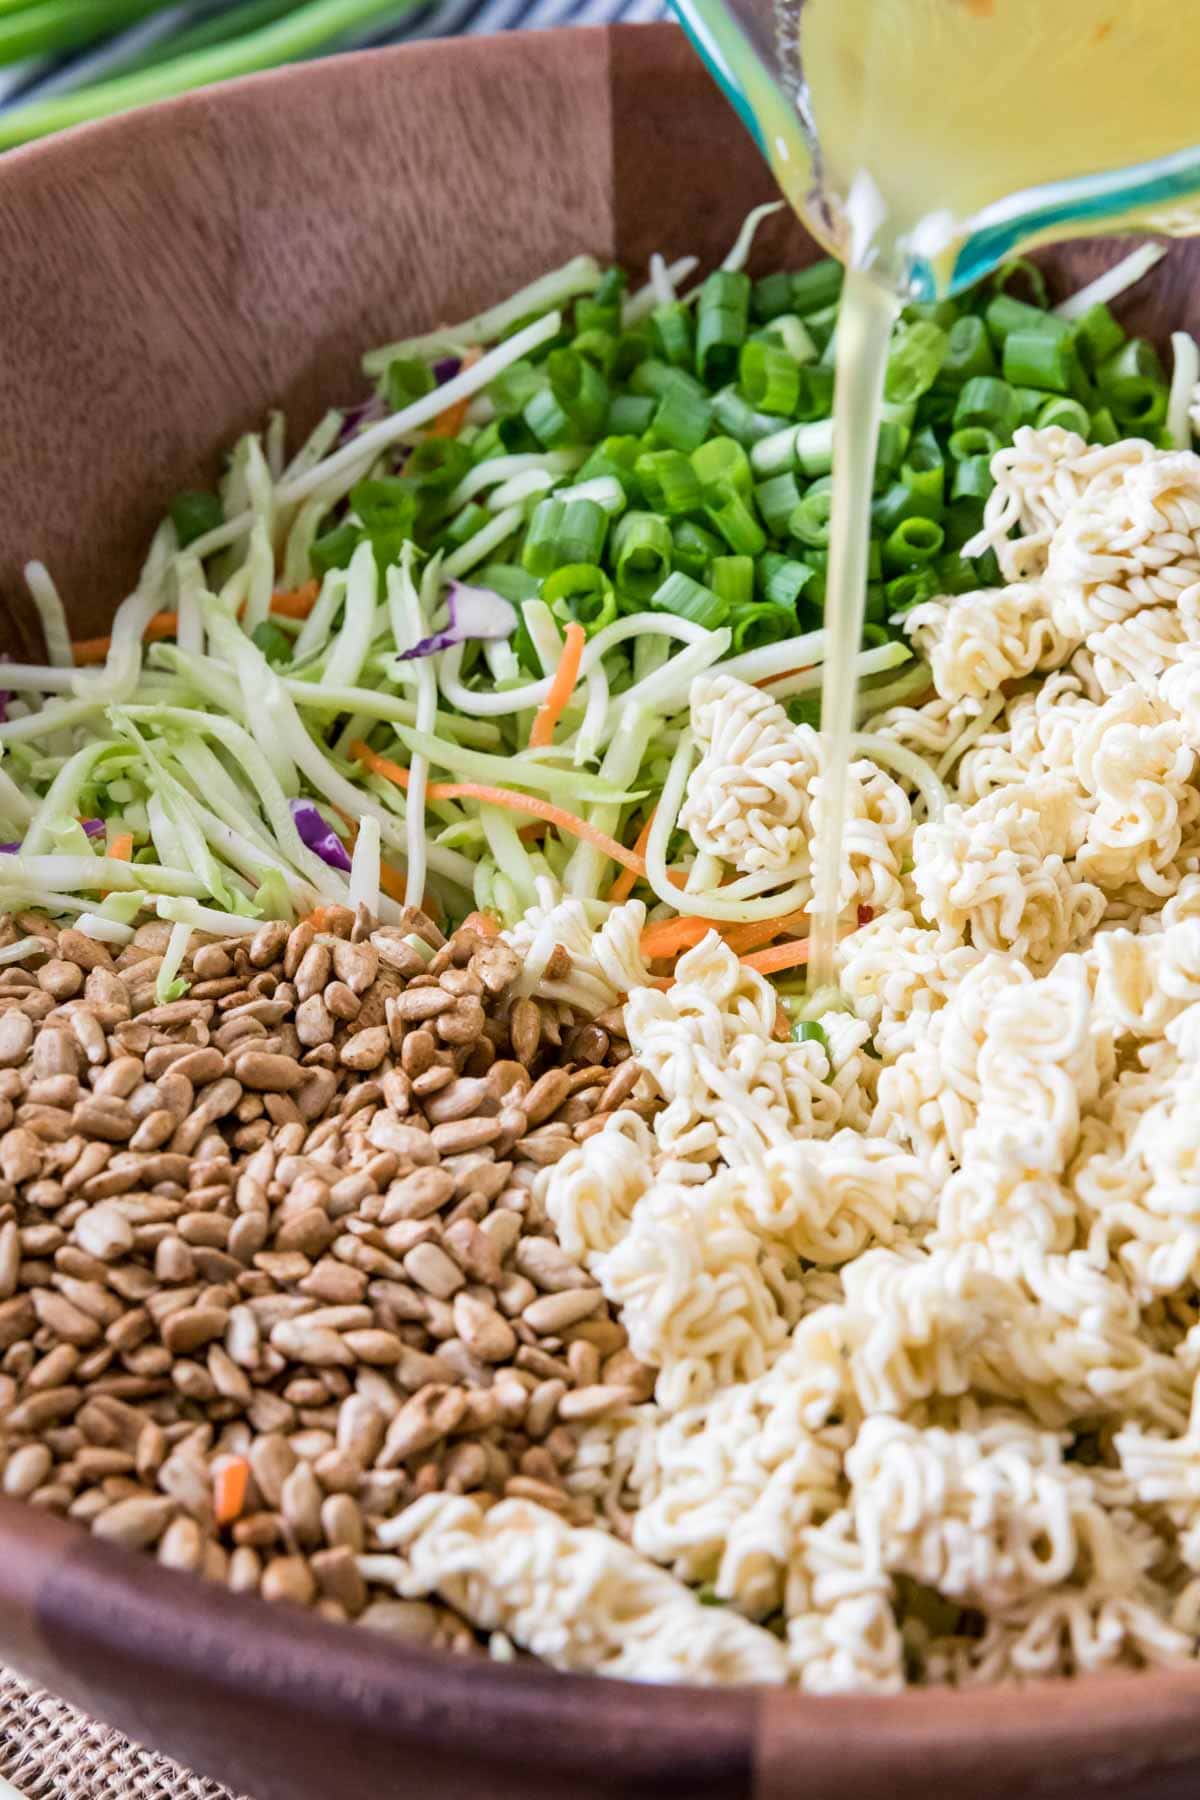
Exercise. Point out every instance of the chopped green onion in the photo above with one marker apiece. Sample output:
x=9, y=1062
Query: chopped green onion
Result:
x=972, y=478
x=694, y=548
x=816, y=395
x=671, y=333
x=972, y=440
x=733, y=517
x=581, y=592
x=193, y=514
x=561, y=532
x=723, y=459
x=782, y=579
x=917, y=354
x=816, y=287
x=889, y=452
x=756, y=626
x=686, y=598
x=514, y=387
x=793, y=336
x=911, y=589
x=1038, y=359
x=769, y=378
x=629, y=415
x=407, y=379
x=985, y=401
x=776, y=500
x=1066, y=413
x=1103, y=428
x=1132, y=384
x=1098, y=336
x=913, y=542
x=641, y=554
x=1005, y=315
x=772, y=296
x=968, y=352
x=1020, y=268
x=810, y=520
x=668, y=481
x=682, y=418
x=736, y=419
x=813, y=447
x=333, y=549
x=721, y=325
x=731, y=579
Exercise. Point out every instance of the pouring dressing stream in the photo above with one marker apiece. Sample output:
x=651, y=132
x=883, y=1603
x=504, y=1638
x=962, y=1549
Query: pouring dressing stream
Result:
x=923, y=142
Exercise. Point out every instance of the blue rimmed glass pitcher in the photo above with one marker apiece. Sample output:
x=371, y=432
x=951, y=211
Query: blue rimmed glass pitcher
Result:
x=935, y=139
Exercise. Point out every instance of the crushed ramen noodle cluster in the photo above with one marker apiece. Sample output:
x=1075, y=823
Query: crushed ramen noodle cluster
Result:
x=922, y=1289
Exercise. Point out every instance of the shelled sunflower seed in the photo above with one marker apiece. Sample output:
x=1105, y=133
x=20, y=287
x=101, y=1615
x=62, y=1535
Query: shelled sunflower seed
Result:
x=272, y=1262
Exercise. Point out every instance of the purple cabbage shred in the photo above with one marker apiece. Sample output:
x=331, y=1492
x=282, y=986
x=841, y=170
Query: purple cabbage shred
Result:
x=319, y=836
x=473, y=615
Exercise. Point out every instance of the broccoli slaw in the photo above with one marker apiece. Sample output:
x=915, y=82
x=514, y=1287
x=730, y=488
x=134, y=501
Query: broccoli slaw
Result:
x=446, y=650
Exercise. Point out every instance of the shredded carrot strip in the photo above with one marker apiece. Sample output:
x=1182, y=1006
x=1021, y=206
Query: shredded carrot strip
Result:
x=298, y=603
x=121, y=848
x=622, y=887
x=495, y=796
x=483, y=924
x=783, y=675
x=742, y=938
x=393, y=882
x=561, y=688
x=451, y=422
x=230, y=1482
x=667, y=937
x=321, y=918
x=779, y=956
x=95, y=650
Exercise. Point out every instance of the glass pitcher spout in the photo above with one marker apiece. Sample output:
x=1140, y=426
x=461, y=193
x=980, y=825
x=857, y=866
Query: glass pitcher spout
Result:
x=936, y=139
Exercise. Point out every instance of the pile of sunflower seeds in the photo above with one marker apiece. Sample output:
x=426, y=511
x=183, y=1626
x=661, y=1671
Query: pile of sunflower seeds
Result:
x=272, y=1261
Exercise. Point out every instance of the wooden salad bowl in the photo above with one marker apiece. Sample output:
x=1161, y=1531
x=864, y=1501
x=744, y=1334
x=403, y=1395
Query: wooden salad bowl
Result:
x=165, y=279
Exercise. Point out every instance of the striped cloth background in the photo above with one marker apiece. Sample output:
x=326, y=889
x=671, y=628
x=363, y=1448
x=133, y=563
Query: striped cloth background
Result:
x=441, y=18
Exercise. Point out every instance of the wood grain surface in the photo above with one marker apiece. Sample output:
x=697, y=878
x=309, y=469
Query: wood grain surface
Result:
x=164, y=280
x=167, y=278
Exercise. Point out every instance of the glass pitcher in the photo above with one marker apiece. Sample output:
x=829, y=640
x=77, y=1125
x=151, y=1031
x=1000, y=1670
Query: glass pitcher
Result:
x=1025, y=121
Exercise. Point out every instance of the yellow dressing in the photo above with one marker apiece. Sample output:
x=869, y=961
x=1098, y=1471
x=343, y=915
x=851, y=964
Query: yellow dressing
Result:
x=925, y=123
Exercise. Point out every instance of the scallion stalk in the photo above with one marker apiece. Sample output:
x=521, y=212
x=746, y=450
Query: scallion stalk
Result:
x=304, y=30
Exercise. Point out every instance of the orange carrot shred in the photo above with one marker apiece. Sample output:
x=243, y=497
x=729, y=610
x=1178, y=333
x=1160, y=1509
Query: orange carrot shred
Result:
x=505, y=797
x=622, y=887
x=484, y=924
x=231, y=1479
x=769, y=681
x=561, y=688
x=451, y=422
x=742, y=938
x=298, y=603
x=393, y=882
x=95, y=650
x=667, y=937
x=121, y=848
x=320, y=918
x=780, y=956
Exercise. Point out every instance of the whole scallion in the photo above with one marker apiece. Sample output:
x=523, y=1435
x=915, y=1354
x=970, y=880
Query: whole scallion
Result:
x=45, y=26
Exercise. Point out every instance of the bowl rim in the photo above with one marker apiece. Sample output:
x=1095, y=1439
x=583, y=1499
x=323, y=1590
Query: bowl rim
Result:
x=65, y=1596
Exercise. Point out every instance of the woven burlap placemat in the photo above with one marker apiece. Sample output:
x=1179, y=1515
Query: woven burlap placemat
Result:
x=48, y=1751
